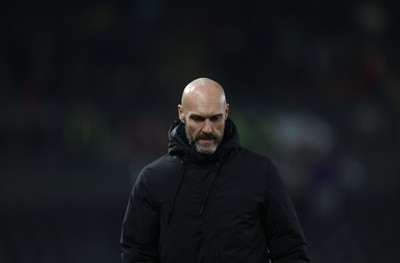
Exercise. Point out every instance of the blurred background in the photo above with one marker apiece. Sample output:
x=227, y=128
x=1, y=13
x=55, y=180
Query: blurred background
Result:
x=88, y=90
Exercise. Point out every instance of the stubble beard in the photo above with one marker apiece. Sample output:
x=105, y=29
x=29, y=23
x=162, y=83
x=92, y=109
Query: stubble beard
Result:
x=204, y=149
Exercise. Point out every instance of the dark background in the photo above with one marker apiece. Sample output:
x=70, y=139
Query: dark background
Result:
x=88, y=90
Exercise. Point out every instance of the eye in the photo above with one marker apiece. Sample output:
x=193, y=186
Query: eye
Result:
x=197, y=118
x=215, y=118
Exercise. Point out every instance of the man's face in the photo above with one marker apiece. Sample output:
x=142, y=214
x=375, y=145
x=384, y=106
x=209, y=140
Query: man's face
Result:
x=205, y=124
x=205, y=132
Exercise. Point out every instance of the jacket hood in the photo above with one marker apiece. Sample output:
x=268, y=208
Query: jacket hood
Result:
x=179, y=144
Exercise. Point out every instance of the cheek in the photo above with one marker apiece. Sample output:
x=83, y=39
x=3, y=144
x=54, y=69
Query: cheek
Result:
x=220, y=128
x=192, y=129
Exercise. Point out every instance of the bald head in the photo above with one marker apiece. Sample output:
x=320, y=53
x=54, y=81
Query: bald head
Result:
x=203, y=91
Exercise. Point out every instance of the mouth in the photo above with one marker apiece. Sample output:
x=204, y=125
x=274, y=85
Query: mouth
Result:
x=206, y=140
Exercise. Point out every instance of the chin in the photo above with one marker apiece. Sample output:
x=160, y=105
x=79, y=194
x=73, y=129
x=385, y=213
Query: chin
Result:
x=206, y=150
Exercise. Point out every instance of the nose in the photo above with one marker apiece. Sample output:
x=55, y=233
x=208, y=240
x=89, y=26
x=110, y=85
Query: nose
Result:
x=207, y=127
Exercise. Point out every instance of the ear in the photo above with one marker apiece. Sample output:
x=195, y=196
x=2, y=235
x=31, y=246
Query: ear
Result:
x=227, y=111
x=181, y=114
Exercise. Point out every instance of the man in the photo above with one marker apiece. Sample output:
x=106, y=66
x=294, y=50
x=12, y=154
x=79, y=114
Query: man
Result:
x=210, y=200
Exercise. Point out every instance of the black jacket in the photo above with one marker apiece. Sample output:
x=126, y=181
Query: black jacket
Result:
x=230, y=206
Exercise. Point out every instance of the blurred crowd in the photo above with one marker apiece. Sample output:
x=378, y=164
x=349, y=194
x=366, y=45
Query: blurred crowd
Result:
x=88, y=91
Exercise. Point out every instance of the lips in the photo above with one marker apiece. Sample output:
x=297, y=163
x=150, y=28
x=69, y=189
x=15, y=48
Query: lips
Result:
x=206, y=140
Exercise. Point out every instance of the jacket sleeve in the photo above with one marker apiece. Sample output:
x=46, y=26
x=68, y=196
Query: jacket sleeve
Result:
x=286, y=242
x=140, y=227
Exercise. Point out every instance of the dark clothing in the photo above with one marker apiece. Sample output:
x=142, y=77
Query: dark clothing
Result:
x=230, y=206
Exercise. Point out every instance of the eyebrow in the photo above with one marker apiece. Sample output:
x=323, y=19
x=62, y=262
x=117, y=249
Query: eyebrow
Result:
x=194, y=115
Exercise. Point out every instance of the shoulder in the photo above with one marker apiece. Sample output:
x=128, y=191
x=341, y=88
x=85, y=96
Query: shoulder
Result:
x=162, y=163
x=158, y=178
x=161, y=169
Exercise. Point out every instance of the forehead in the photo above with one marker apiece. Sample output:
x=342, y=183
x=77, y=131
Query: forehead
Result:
x=204, y=103
x=205, y=109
